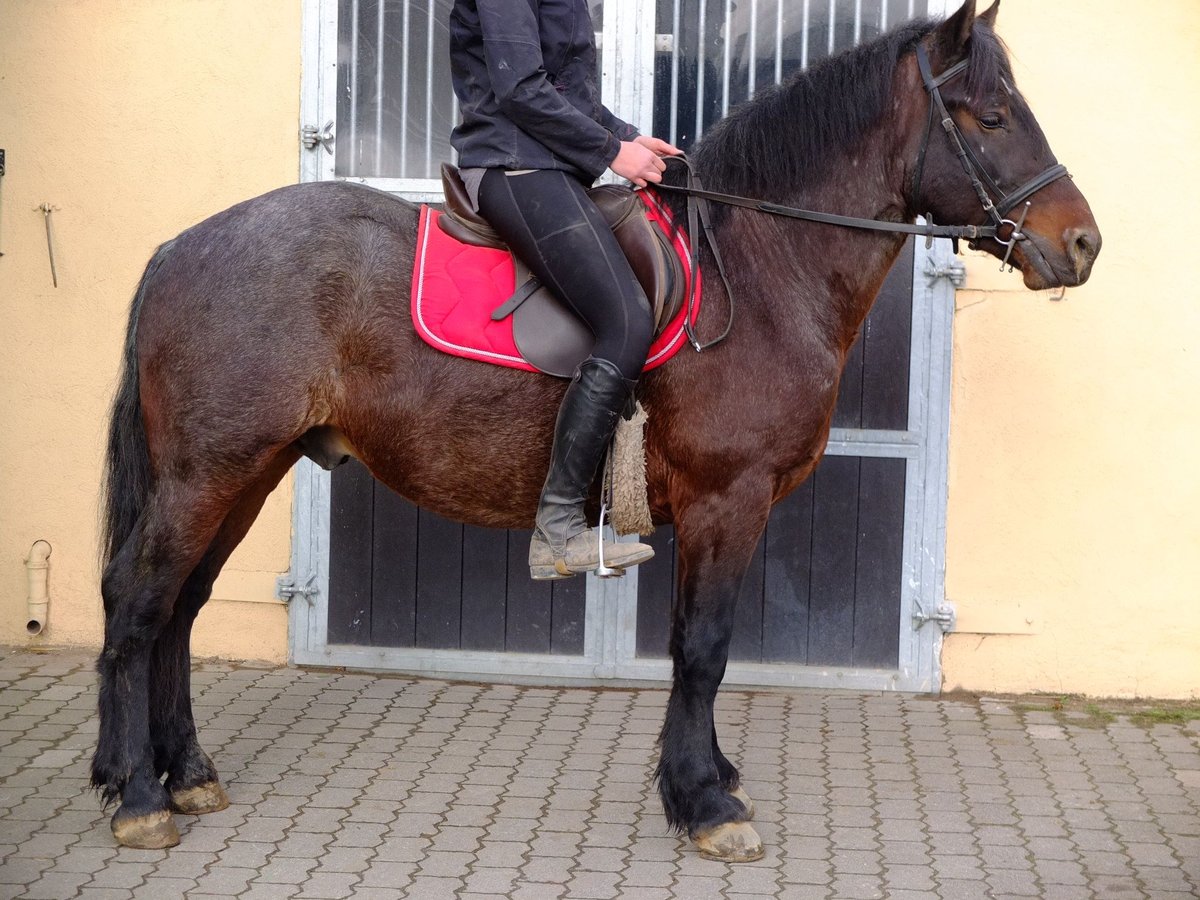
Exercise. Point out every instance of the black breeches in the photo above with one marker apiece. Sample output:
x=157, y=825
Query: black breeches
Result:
x=546, y=217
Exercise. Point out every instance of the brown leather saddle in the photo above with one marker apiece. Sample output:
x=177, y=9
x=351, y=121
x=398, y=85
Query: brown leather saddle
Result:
x=548, y=334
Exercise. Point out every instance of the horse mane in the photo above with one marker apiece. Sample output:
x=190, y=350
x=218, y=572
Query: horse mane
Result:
x=788, y=133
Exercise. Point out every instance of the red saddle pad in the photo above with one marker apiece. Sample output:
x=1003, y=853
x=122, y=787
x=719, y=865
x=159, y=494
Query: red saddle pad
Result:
x=456, y=286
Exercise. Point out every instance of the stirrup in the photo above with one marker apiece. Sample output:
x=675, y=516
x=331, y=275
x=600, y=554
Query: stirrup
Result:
x=602, y=570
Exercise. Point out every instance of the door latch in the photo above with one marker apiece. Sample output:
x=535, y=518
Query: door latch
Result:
x=311, y=136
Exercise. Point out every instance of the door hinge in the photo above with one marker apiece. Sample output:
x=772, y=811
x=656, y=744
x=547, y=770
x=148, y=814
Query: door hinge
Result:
x=311, y=136
x=944, y=616
x=286, y=588
x=952, y=269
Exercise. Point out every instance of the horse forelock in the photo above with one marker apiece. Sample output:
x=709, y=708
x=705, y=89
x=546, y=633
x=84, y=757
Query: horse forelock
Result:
x=989, y=72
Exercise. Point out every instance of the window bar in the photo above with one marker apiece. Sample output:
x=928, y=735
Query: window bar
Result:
x=404, y=95
x=726, y=59
x=352, y=163
x=803, y=36
x=676, y=38
x=753, y=47
x=379, y=45
x=700, y=73
x=883, y=16
x=779, y=38
x=429, y=93
x=857, y=22
x=911, y=11
x=832, y=17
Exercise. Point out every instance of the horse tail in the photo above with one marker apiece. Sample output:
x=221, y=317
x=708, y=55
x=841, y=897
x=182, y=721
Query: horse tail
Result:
x=127, y=474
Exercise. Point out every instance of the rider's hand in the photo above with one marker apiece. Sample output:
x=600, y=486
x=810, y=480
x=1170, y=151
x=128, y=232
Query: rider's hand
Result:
x=638, y=163
x=662, y=148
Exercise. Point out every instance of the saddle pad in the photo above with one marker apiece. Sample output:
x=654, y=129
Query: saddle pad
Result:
x=456, y=286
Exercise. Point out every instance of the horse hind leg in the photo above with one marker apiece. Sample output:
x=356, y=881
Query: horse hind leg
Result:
x=191, y=778
x=140, y=586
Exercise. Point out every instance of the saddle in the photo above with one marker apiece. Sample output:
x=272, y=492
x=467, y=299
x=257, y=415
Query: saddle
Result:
x=547, y=333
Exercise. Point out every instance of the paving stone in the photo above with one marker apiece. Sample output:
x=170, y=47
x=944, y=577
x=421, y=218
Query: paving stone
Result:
x=381, y=788
x=54, y=886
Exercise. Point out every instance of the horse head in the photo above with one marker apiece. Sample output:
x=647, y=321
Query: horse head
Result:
x=994, y=154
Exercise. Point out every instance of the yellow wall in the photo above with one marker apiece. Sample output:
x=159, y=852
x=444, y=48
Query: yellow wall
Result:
x=1074, y=517
x=1074, y=541
x=133, y=119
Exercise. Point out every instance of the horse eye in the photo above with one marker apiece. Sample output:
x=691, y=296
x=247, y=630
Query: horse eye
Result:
x=991, y=121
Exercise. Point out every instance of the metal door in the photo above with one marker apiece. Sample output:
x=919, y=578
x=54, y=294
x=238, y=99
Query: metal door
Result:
x=849, y=572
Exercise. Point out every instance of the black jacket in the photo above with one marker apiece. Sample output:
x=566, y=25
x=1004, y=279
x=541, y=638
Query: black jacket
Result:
x=525, y=75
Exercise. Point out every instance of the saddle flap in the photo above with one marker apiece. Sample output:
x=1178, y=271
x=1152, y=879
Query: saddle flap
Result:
x=549, y=335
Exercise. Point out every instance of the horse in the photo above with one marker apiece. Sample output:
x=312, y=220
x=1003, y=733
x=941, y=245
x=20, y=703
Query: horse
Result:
x=282, y=324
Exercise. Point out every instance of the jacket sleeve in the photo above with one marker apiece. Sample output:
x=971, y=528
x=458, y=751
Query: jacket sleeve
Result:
x=622, y=129
x=513, y=52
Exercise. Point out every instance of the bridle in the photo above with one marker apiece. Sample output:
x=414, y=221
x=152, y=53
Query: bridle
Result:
x=984, y=185
x=996, y=211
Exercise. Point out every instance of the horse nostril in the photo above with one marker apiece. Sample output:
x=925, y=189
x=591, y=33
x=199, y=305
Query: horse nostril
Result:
x=1082, y=246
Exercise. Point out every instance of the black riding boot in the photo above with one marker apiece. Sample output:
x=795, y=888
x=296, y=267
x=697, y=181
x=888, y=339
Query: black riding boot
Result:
x=563, y=544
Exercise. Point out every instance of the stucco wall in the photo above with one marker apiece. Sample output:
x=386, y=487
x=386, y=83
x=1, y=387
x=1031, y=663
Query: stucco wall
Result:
x=1075, y=425
x=134, y=120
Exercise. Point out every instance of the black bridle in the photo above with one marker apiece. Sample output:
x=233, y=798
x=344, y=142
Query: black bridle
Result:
x=996, y=211
x=984, y=185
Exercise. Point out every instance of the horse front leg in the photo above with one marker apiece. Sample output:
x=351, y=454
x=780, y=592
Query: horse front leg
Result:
x=716, y=537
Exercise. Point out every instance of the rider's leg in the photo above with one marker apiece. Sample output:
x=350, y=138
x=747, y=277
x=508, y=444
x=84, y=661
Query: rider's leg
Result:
x=548, y=220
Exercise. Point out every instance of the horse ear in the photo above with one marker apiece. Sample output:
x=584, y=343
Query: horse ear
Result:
x=989, y=15
x=949, y=42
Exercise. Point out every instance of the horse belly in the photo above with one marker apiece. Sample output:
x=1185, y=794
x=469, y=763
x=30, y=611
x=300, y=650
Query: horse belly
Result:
x=467, y=441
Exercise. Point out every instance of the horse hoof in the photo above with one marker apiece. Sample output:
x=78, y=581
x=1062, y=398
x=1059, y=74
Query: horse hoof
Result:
x=733, y=842
x=738, y=794
x=153, y=831
x=204, y=798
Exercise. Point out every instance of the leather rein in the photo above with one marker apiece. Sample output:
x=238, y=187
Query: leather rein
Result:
x=983, y=184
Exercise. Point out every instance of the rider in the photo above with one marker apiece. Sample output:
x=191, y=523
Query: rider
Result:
x=533, y=138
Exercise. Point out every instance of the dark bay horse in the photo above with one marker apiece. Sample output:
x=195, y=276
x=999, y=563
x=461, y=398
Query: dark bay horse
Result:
x=282, y=324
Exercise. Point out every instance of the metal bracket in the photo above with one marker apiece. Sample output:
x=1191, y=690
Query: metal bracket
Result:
x=311, y=136
x=953, y=269
x=286, y=588
x=1, y=182
x=944, y=616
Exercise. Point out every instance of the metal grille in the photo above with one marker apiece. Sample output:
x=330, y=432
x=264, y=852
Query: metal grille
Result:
x=713, y=54
x=395, y=103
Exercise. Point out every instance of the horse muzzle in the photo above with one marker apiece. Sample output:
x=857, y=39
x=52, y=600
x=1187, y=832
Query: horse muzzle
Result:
x=1067, y=262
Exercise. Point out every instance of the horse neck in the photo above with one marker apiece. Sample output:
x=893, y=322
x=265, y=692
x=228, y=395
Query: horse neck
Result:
x=825, y=277
x=819, y=279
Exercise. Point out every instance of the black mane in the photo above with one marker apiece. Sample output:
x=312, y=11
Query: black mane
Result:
x=787, y=134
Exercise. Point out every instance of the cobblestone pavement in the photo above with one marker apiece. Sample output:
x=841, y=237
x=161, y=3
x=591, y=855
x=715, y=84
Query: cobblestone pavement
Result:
x=350, y=785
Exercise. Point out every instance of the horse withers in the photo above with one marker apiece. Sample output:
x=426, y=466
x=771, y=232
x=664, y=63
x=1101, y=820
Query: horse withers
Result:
x=279, y=325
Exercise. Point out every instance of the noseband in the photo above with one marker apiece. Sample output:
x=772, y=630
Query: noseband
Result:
x=997, y=211
x=981, y=181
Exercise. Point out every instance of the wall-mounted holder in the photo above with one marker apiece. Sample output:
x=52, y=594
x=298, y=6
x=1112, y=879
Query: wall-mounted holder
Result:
x=46, y=209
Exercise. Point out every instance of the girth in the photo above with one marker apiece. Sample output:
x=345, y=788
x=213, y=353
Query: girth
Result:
x=546, y=331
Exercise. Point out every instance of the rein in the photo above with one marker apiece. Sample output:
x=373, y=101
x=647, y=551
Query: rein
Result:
x=996, y=211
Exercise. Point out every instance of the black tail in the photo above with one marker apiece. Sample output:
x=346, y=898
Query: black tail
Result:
x=127, y=476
